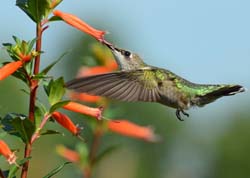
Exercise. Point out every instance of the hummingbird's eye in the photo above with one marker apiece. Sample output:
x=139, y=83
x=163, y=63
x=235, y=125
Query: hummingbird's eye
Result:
x=127, y=53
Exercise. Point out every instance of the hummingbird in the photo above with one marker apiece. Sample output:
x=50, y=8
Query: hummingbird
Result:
x=138, y=81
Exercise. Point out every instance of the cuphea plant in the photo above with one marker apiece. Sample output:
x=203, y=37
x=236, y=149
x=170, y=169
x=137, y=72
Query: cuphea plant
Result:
x=25, y=66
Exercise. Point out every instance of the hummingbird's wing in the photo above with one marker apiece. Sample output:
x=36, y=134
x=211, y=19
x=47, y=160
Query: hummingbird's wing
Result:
x=122, y=85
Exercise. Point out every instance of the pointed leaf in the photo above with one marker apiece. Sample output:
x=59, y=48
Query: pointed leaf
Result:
x=56, y=170
x=58, y=105
x=29, y=67
x=35, y=9
x=25, y=128
x=14, y=168
x=56, y=91
x=18, y=125
x=51, y=132
x=5, y=173
x=38, y=116
x=31, y=44
x=47, y=85
x=20, y=75
x=47, y=69
x=6, y=123
x=17, y=40
x=54, y=18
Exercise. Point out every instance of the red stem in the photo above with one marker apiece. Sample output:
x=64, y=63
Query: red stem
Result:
x=33, y=91
x=93, y=150
x=1, y=174
x=37, y=133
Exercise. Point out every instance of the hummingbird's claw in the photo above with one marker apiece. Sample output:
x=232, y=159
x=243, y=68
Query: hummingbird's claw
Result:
x=178, y=115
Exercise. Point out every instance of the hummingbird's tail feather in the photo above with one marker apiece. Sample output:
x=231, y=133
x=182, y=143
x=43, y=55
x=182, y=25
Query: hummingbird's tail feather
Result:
x=225, y=90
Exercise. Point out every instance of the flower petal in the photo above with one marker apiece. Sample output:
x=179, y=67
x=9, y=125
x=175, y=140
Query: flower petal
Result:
x=9, y=69
x=7, y=153
x=68, y=154
x=88, y=71
x=130, y=129
x=76, y=107
x=66, y=122
x=25, y=58
x=80, y=25
x=84, y=97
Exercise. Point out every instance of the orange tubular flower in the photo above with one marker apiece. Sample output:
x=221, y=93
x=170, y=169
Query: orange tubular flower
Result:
x=7, y=153
x=68, y=154
x=112, y=65
x=65, y=121
x=80, y=25
x=76, y=107
x=88, y=71
x=84, y=97
x=9, y=69
x=130, y=129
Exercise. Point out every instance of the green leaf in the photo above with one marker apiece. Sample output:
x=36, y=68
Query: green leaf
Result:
x=51, y=132
x=35, y=9
x=25, y=128
x=39, y=113
x=6, y=123
x=56, y=91
x=58, y=105
x=54, y=18
x=14, y=168
x=29, y=67
x=31, y=44
x=17, y=40
x=56, y=170
x=47, y=69
x=47, y=86
x=105, y=153
x=20, y=75
x=18, y=125
x=2, y=134
x=5, y=172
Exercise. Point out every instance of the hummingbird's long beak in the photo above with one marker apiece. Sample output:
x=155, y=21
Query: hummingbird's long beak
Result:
x=111, y=46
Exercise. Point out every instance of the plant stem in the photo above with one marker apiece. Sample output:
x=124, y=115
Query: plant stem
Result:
x=93, y=150
x=34, y=83
x=37, y=133
x=33, y=91
x=1, y=174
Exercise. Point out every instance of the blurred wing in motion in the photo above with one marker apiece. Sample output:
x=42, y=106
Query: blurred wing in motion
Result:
x=125, y=86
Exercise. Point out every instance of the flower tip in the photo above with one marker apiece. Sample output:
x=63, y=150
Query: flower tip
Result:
x=68, y=154
x=107, y=32
x=99, y=115
x=56, y=12
x=152, y=136
x=7, y=153
x=130, y=129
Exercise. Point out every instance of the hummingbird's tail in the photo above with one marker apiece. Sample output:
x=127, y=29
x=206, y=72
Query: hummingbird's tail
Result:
x=222, y=90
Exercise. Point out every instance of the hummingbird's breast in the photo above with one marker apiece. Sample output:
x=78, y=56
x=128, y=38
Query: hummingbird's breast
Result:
x=172, y=97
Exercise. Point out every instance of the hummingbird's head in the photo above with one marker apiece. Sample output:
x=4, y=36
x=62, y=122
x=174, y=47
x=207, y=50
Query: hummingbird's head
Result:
x=126, y=59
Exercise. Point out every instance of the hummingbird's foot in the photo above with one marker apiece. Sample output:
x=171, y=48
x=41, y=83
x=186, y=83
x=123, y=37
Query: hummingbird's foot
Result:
x=178, y=115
